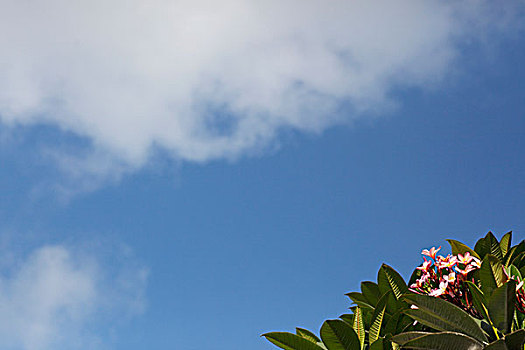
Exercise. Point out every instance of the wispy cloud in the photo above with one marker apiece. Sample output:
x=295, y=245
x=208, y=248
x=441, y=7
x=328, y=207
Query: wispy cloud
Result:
x=60, y=298
x=205, y=79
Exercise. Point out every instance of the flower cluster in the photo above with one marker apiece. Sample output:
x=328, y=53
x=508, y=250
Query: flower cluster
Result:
x=444, y=277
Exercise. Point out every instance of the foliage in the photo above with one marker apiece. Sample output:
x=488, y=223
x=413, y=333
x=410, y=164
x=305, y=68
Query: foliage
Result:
x=471, y=299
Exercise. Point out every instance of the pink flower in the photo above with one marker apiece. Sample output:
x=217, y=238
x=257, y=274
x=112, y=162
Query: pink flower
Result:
x=465, y=259
x=450, y=278
x=421, y=281
x=476, y=262
x=425, y=266
x=519, y=285
x=431, y=253
x=447, y=262
x=439, y=291
x=467, y=269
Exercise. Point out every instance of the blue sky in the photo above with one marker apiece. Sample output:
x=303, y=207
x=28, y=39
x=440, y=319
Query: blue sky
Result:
x=193, y=189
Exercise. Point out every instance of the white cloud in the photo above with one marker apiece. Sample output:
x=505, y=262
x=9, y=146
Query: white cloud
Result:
x=205, y=79
x=57, y=298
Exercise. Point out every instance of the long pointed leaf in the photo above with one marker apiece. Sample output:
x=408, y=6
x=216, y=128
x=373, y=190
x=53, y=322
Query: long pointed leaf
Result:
x=367, y=317
x=404, y=338
x=377, y=319
x=390, y=279
x=482, y=246
x=394, y=305
x=495, y=248
x=306, y=334
x=404, y=323
x=338, y=335
x=515, y=340
x=379, y=344
x=364, y=306
x=479, y=301
x=443, y=341
x=514, y=252
x=443, y=316
x=289, y=341
x=491, y=274
x=501, y=306
x=357, y=297
x=519, y=260
x=497, y=345
x=505, y=243
x=514, y=273
x=391, y=325
x=348, y=318
x=460, y=248
x=370, y=291
x=359, y=326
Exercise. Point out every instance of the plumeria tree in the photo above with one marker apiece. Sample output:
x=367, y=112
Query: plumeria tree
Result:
x=471, y=299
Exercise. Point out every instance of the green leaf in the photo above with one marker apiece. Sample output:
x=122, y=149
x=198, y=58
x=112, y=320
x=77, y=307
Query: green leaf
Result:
x=519, y=260
x=489, y=245
x=515, y=340
x=348, y=318
x=479, y=301
x=495, y=248
x=379, y=344
x=491, y=274
x=359, y=326
x=391, y=324
x=394, y=305
x=403, y=324
x=522, y=272
x=377, y=319
x=405, y=337
x=505, y=243
x=520, y=319
x=514, y=272
x=501, y=306
x=460, y=248
x=367, y=317
x=512, y=341
x=514, y=252
x=497, y=345
x=358, y=297
x=365, y=306
x=443, y=316
x=439, y=341
x=338, y=335
x=306, y=334
x=371, y=292
x=360, y=300
x=397, y=323
x=289, y=341
x=510, y=255
x=486, y=278
x=482, y=247
x=390, y=279
x=497, y=269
